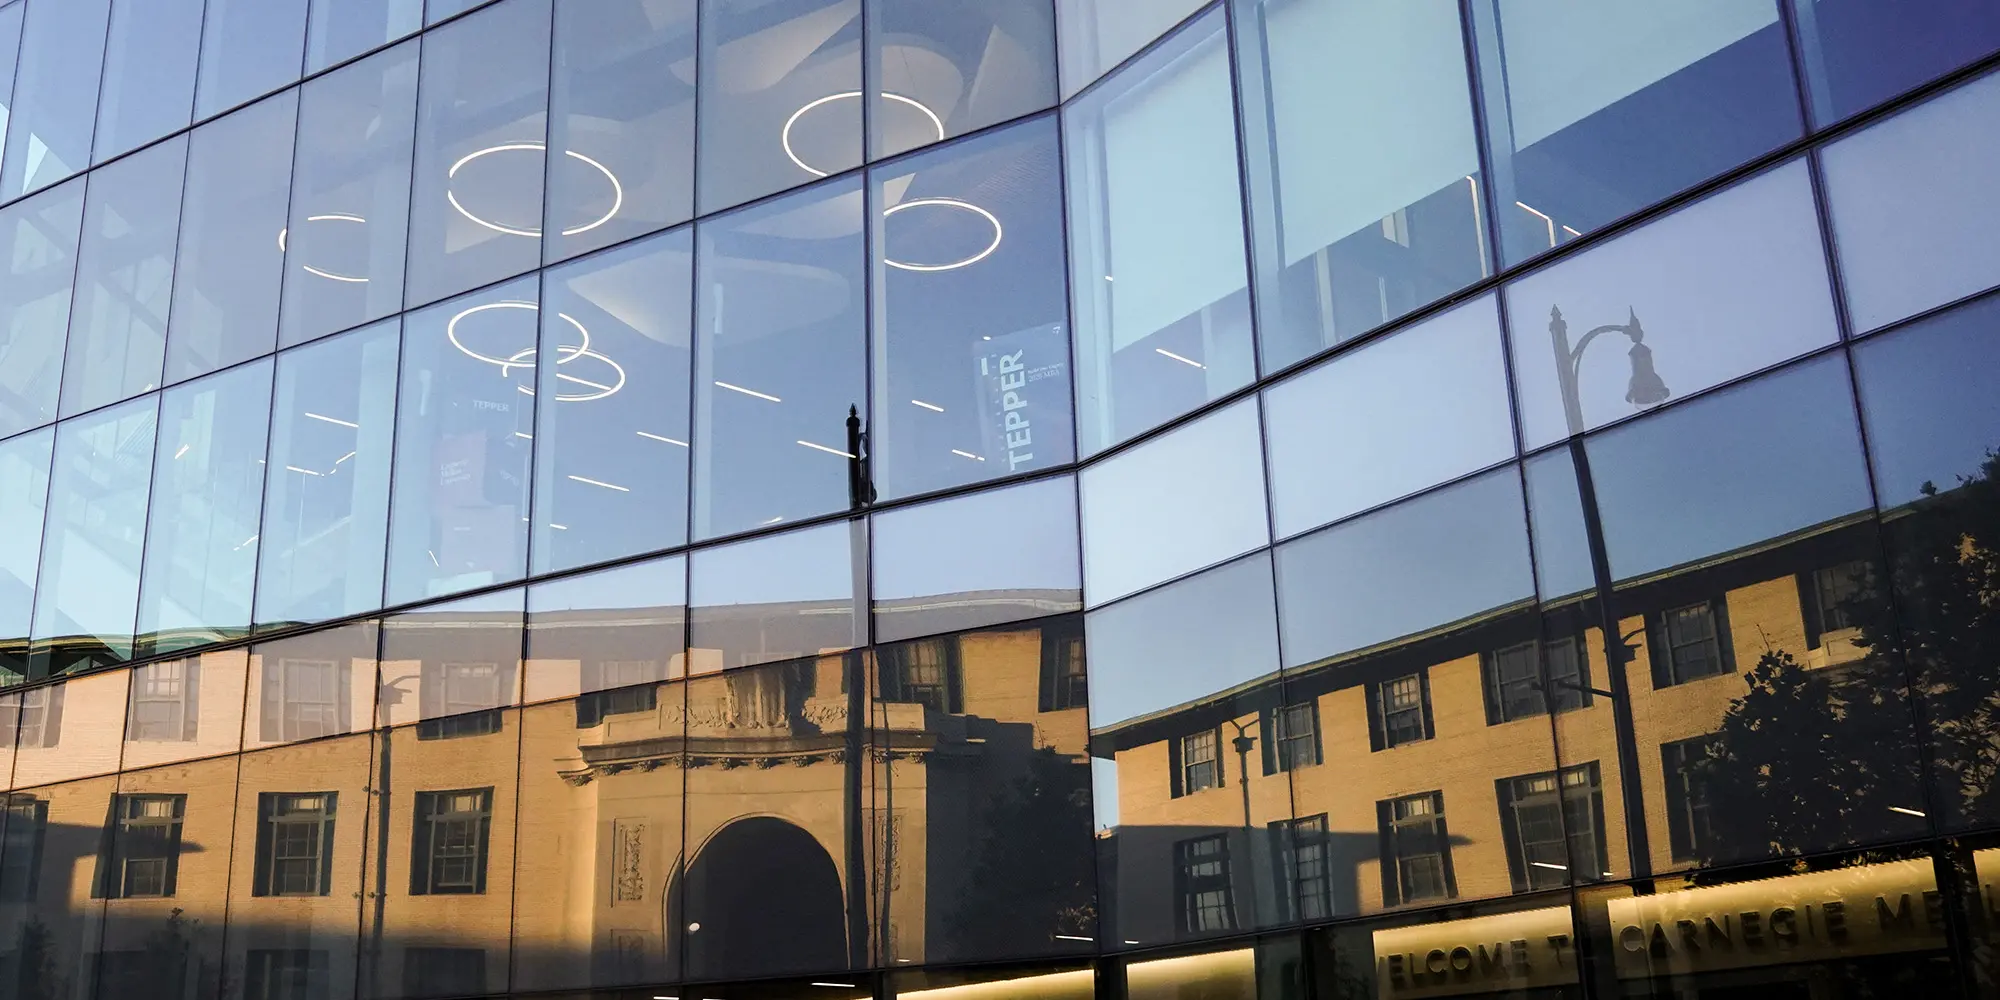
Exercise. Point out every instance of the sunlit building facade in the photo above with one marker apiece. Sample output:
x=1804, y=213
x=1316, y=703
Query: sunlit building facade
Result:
x=987, y=499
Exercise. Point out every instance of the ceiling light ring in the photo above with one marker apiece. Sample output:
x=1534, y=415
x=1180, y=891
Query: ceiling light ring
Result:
x=617, y=190
x=320, y=272
x=785, y=134
x=507, y=364
x=994, y=220
x=601, y=390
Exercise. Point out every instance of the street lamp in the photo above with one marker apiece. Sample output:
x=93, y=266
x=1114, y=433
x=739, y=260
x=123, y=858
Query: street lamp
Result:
x=1645, y=389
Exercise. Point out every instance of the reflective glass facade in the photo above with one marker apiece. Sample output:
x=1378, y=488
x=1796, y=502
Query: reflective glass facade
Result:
x=974, y=499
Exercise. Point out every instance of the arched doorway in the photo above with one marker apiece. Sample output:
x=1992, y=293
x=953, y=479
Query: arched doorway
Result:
x=762, y=898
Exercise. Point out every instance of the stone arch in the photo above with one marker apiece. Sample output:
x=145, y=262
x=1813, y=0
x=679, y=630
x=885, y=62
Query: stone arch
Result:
x=761, y=897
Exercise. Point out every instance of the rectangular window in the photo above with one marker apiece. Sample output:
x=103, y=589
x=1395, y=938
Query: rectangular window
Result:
x=1304, y=844
x=165, y=703
x=462, y=699
x=1688, y=819
x=1063, y=680
x=1202, y=879
x=1514, y=684
x=444, y=972
x=1200, y=765
x=145, y=847
x=448, y=853
x=27, y=819
x=1291, y=737
x=1399, y=711
x=1689, y=643
x=294, y=843
x=287, y=974
x=1829, y=598
x=925, y=672
x=303, y=699
x=40, y=721
x=1416, y=850
x=1535, y=812
x=591, y=708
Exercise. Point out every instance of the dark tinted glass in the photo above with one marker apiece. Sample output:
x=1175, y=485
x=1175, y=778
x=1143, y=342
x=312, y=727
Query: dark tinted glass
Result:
x=1858, y=53
x=971, y=343
x=781, y=359
x=1596, y=111
x=1014, y=877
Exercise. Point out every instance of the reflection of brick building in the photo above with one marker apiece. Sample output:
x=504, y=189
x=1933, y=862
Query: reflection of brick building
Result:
x=1420, y=771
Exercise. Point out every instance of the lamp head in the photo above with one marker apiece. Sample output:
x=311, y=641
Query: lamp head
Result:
x=1646, y=388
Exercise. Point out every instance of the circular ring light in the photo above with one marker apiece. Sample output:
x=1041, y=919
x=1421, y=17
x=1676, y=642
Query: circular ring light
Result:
x=308, y=268
x=596, y=390
x=617, y=189
x=785, y=136
x=451, y=333
x=964, y=206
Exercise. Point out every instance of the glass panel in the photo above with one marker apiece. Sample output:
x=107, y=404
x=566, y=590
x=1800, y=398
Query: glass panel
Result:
x=452, y=663
x=1555, y=511
x=202, y=527
x=439, y=862
x=311, y=686
x=947, y=67
x=1445, y=558
x=971, y=349
x=185, y=709
x=1419, y=408
x=1015, y=876
x=1187, y=822
x=463, y=445
x=10, y=56
x=248, y=48
x=1933, y=419
x=607, y=629
x=1367, y=198
x=1190, y=498
x=71, y=730
x=149, y=65
x=1099, y=34
x=1173, y=330
x=40, y=246
x=481, y=122
x=341, y=29
x=611, y=445
x=1223, y=975
x=981, y=984
x=780, y=96
x=772, y=884
x=1725, y=473
x=1591, y=108
x=344, y=246
x=1911, y=207
x=124, y=278
x=1856, y=53
x=578, y=920
x=1732, y=284
x=621, y=110
x=55, y=94
x=1933, y=425
x=24, y=495
x=936, y=568
x=295, y=886
x=778, y=598
x=227, y=274
x=781, y=359
x=89, y=587
x=66, y=926
x=326, y=494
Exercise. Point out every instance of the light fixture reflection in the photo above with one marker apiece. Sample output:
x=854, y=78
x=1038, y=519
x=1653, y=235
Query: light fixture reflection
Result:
x=785, y=134
x=657, y=437
x=1182, y=360
x=964, y=206
x=617, y=189
x=824, y=448
x=317, y=272
x=525, y=357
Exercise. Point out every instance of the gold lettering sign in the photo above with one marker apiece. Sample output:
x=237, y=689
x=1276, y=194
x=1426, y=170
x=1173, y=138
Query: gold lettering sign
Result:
x=1871, y=909
x=1506, y=951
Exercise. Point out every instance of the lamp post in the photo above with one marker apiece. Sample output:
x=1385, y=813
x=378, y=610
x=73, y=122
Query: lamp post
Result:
x=1645, y=389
